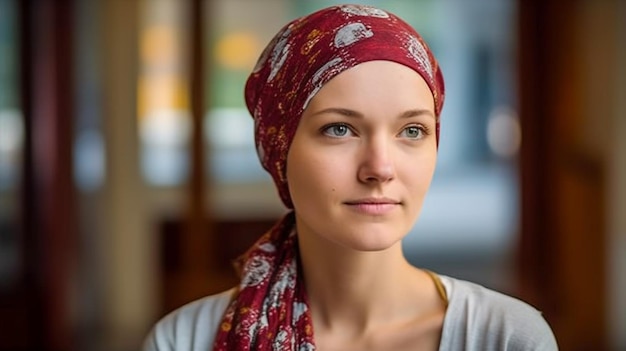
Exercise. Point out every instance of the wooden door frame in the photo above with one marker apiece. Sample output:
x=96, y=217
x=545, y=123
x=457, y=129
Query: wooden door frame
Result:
x=563, y=181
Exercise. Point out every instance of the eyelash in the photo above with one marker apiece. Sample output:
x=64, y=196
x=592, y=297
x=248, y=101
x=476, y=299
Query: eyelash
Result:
x=421, y=129
x=325, y=130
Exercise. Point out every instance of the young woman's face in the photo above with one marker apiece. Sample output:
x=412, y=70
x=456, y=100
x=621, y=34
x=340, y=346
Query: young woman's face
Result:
x=363, y=157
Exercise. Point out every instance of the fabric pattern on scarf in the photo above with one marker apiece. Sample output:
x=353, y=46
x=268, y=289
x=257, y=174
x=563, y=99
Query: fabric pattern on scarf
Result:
x=310, y=51
x=270, y=310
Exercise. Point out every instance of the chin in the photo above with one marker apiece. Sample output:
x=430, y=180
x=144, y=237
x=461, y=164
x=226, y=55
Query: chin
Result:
x=374, y=247
x=372, y=241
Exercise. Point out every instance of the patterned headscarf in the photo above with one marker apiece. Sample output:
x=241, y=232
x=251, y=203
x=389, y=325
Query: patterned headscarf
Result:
x=310, y=51
x=270, y=310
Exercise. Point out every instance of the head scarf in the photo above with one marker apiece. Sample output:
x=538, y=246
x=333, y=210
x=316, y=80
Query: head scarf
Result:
x=310, y=51
x=270, y=310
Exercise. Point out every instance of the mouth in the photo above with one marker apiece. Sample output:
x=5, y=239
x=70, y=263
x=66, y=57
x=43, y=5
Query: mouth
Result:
x=374, y=201
x=373, y=206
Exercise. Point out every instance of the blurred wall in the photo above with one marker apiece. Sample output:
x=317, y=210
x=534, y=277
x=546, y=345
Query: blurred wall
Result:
x=129, y=248
x=602, y=36
x=616, y=259
x=115, y=292
x=573, y=235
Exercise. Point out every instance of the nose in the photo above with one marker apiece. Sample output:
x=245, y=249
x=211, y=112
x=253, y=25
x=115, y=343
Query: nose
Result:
x=376, y=164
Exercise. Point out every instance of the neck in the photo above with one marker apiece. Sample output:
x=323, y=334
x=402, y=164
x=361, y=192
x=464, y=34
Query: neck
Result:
x=357, y=290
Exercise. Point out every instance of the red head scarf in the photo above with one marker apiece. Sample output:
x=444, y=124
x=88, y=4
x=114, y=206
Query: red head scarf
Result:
x=310, y=51
x=270, y=310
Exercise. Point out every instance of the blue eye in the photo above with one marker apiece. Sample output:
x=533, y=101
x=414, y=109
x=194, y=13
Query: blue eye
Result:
x=337, y=130
x=412, y=132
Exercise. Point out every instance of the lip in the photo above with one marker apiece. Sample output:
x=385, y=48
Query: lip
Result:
x=374, y=206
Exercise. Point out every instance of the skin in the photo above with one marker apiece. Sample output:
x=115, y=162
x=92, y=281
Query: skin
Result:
x=358, y=169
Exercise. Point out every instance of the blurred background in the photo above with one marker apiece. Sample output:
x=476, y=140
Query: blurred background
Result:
x=129, y=180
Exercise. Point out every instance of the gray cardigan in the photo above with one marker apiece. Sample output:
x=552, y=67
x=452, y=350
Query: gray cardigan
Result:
x=477, y=319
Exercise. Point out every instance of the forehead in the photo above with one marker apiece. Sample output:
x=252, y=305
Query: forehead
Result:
x=374, y=85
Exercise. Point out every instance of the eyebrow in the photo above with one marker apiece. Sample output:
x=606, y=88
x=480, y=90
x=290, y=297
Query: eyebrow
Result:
x=352, y=113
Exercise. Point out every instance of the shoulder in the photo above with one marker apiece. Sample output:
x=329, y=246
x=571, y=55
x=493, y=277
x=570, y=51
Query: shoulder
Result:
x=190, y=327
x=488, y=320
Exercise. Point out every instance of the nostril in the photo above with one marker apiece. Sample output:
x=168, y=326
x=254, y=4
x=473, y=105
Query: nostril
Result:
x=369, y=173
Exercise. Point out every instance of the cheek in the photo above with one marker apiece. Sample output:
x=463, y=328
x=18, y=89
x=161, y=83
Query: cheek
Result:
x=313, y=176
x=310, y=174
x=300, y=175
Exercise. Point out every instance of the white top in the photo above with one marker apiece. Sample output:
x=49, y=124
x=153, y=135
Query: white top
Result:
x=477, y=319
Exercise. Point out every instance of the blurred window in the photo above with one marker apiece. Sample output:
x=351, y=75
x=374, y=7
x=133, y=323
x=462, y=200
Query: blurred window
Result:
x=479, y=124
x=11, y=144
x=473, y=199
x=89, y=148
x=163, y=98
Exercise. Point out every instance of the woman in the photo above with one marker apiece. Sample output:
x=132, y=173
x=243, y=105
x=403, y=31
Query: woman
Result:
x=346, y=103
